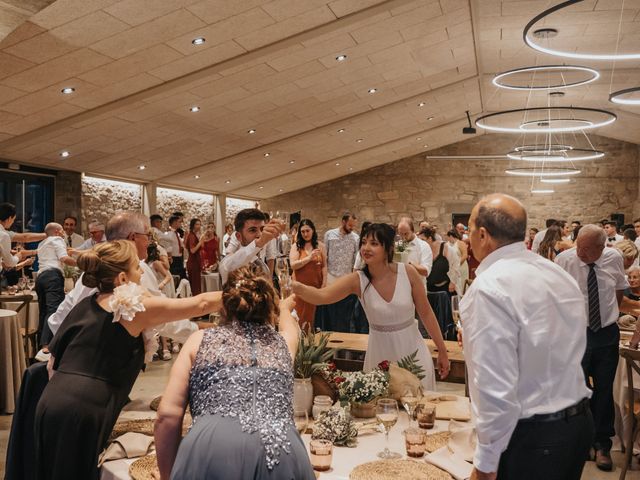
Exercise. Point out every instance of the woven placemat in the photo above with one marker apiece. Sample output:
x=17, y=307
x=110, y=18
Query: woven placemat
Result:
x=143, y=468
x=145, y=426
x=398, y=470
x=436, y=441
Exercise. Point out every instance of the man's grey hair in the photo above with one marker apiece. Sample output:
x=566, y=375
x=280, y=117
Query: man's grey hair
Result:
x=594, y=231
x=52, y=228
x=123, y=224
x=96, y=226
x=633, y=268
x=503, y=227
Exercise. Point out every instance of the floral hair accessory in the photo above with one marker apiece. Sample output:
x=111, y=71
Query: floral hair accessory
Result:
x=240, y=283
x=126, y=301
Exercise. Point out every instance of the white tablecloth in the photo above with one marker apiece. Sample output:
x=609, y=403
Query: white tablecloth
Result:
x=620, y=385
x=344, y=459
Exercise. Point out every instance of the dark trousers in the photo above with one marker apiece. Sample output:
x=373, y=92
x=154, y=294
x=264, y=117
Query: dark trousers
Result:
x=50, y=290
x=548, y=450
x=177, y=267
x=599, y=363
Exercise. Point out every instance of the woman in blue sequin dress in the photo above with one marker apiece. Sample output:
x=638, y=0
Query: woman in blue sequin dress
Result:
x=238, y=381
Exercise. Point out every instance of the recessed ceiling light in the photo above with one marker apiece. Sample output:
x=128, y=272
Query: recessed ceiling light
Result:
x=227, y=181
x=196, y=177
x=429, y=119
x=292, y=162
x=341, y=58
x=337, y=164
x=194, y=109
x=425, y=146
x=372, y=90
x=65, y=154
x=260, y=187
x=280, y=190
x=251, y=131
x=340, y=130
x=68, y=90
x=421, y=104
x=418, y=138
x=267, y=154
x=141, y=167
x=198, y=40
x=360, y=140
x=350, y=169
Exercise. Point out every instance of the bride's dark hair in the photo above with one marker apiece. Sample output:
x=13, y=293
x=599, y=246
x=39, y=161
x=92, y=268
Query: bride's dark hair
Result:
x=385, y=235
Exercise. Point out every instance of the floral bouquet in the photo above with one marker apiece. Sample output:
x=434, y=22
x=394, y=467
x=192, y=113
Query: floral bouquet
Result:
x=336, y=426
x=363, y=387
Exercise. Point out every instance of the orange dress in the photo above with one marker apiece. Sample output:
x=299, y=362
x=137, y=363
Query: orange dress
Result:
x=310, y=274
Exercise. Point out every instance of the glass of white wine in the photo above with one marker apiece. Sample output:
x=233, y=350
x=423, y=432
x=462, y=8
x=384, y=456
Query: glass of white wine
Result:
x=387, y=416
x=409, y=402
x=301, y=420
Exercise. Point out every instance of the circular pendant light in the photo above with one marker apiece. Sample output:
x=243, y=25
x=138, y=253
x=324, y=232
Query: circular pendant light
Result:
x=551, y=155
x=546, y=120
x=552, y=147
x=563, y=71
x=547, y=32
x=542, y=190
x=628, y=96
x=555, y=180
x=538, y=172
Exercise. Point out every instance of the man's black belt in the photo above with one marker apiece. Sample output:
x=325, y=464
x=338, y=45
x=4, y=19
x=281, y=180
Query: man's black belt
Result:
x=580, y=407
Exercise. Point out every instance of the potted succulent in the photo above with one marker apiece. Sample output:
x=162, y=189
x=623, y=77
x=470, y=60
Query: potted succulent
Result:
x=311, y=357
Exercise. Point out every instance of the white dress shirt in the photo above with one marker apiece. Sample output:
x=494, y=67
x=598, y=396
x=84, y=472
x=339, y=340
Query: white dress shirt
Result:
x=172, y=243
x=610, y=275
x=89, y=243
x=611, y=241
x=537, y=240
x=8, y=260
x=50, y=251
x=420, y=253
x=74, y=241
x=239, y=258
x=524, y=331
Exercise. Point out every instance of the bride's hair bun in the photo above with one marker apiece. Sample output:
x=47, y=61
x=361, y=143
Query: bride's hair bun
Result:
x=248, y=296
x=102, y=264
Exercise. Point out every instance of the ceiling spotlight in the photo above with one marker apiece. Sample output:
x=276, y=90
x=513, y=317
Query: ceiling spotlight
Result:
x=429, y=119
x=141, y=167
x=196, y=177
x=267, y=154
x=65, y=154
x=68, y=90
x=337, y=164
x=227, y=182
x=194, y=109
x=555, y=180
x=350, y=169
x=425, y=146
x=280, y=190
x=260, y=187
x=360, y=140
x=292, y=162
x=421, y=104
x=340, y=130
x=372, y=90
x=341, y=58
x=542, y=190
x=418, y=139
x=251, y=131
x=468, y=130
x=556, y=94
x=198, y=41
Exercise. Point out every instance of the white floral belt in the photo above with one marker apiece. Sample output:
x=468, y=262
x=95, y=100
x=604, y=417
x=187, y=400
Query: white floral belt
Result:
x=392, y=328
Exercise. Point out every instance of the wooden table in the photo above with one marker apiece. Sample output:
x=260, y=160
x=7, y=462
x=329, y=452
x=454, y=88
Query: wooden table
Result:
x=12, y=361
x=357, y=342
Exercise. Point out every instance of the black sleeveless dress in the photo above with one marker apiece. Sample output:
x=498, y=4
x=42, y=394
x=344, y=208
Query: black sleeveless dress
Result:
x=96, y=363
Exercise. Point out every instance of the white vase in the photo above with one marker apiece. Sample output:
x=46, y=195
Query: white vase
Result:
x=302, y=394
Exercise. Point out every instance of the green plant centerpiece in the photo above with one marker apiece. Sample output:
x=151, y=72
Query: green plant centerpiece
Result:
x=311, y=357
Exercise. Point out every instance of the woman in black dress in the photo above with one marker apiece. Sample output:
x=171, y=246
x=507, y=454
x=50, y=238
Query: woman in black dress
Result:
x=96, y=356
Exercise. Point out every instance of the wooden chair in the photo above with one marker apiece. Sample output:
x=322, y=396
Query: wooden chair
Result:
x=632, y=359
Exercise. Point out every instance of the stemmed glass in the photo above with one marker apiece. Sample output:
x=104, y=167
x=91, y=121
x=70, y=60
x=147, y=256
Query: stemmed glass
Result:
x=409, y=402
x=22, y=283
x=284, y=279
x=455, y=309
x=301, y=420
x=387, y=415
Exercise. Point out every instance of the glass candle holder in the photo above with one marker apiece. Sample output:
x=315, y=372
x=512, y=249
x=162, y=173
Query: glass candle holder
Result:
x=415, y=442
x=321, y=454
x=426, y=416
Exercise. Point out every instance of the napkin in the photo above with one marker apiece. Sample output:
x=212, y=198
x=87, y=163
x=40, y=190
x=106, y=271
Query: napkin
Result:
x=463, y=439
x=450, y=462
x=128, y=445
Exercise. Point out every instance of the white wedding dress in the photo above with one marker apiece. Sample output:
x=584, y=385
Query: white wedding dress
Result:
x=393, y=328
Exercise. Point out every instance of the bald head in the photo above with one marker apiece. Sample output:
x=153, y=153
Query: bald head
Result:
x=405, y=229
x=502, y=216
x=53, y=229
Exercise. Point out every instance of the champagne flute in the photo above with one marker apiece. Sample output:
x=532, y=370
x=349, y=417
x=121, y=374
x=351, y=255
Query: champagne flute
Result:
x=455, y=309
x=409, y=402
x=387, y=416
x=284, y=279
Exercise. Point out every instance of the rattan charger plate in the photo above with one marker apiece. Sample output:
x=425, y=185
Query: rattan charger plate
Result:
x=143, y=468
x=397, y=470
x=436, y=441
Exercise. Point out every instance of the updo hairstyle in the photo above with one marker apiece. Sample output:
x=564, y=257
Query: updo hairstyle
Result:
x=248, y=296
x=102, y=264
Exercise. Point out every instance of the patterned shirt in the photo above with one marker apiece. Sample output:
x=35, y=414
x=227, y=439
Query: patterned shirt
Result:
x=341, y=251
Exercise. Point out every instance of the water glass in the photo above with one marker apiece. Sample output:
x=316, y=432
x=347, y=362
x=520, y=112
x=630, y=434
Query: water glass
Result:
x=415, y=441
x=321, y=454
x=427, y=416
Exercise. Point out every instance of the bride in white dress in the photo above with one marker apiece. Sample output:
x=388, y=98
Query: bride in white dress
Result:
x=390, y=293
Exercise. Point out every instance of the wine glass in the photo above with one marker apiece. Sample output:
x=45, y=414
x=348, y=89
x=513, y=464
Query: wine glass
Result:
x=301, y=420
x=284, y=279
x=455, y=308
x=409, y=402
x=387, y=416
x=31, y=284
x=22, y=283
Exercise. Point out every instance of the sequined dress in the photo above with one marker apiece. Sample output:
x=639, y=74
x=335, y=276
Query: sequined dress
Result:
x=240, y=394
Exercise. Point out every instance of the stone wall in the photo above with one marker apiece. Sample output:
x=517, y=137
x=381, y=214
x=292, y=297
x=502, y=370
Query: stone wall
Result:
x=68, y=198
x=102, y=198
x=191, y=204
x=436, y=189
x=234, y=205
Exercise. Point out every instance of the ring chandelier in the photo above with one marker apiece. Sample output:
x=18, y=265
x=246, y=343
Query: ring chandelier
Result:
x=542, y=190
x=626, y=96
x=543, y=120
x=552, y=155
x=537, y=172
x=593, y=76
x=551, y=147
x=584, y=56
x=555, y=180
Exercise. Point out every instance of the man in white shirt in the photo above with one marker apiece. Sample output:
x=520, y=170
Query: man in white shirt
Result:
x=521, y=318
x=175, y=247
x=52, y=254
x=537, y=240
x=420, y=254
x=72, y=239
x=131, y=226
x=96, y=236
x=7, y=217
x=462, y=231
x=252, y=235
x=600, y=275
x=611, y=229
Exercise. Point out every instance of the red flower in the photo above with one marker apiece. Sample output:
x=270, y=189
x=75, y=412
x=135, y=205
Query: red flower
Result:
x=339, y=380
x=384, y=365
x=331, y=366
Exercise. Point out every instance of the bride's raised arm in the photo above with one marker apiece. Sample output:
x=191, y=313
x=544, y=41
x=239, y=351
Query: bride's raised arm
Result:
x=341, y=288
